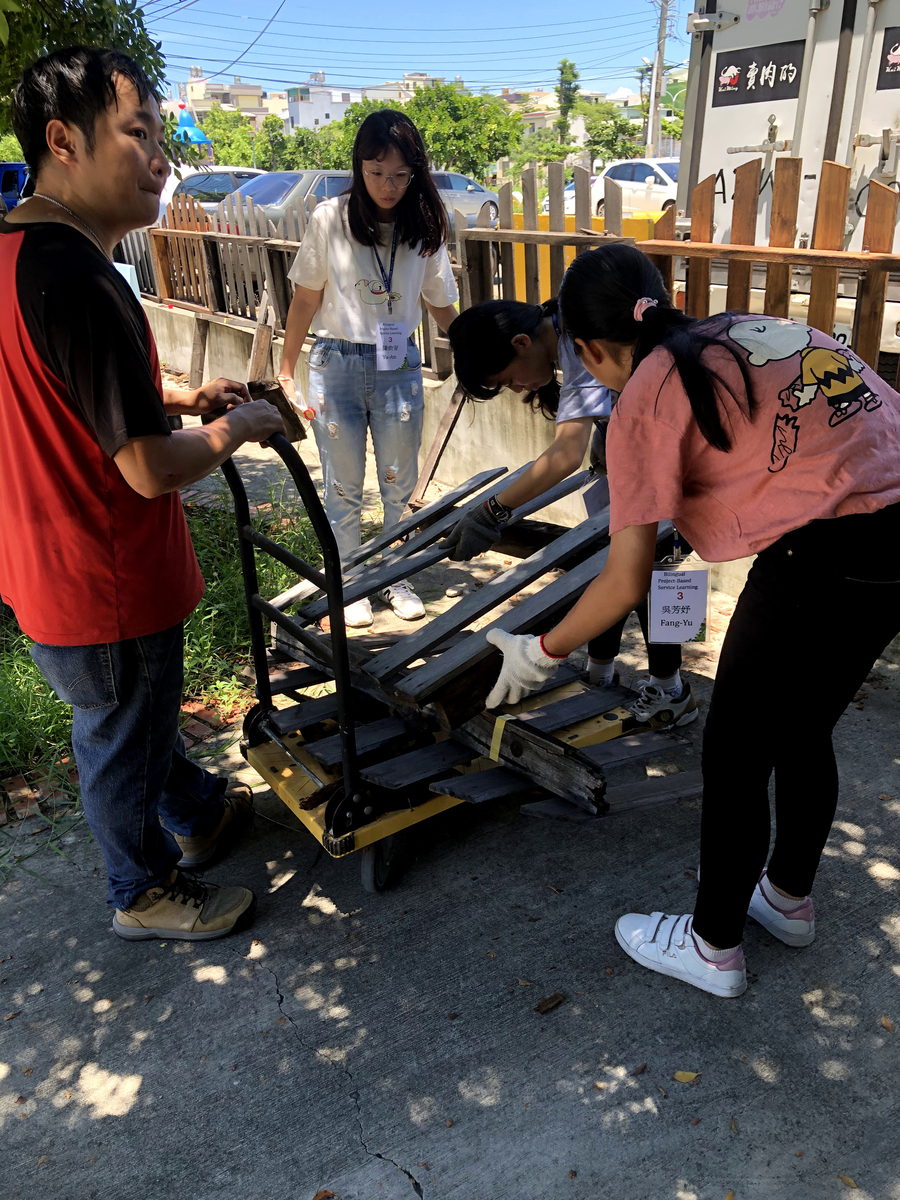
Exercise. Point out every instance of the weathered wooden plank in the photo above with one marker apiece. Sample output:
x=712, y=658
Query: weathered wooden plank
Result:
x=828, y=234
x=539, y=609
x=782, y=233
x=583, y=212
x=663, y=789
x=380, y=576
x=633, y=747
x=377, y=737
x=262, y=340
x=159, y=253
x=743, y=230
x=589, y=703
x=530, y=222
x=198, y=351
x=664, y=230
x=584, y=239
x=418, y=765
x=481, y=786
x=541, y=758
x=494, y=592
x=878, y=234
x=467, y=274
x=848, y=260
x=436, y=450
x=305, y=715
x=612, y=206
x=556, y=182
x=507, y=254
x=698, y=269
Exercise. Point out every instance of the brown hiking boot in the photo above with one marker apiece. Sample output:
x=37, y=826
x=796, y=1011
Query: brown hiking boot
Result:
x=185, y=909
x=195, y=851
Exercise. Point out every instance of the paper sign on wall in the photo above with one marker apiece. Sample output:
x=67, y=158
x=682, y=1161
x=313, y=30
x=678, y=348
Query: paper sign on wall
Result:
x=679, y=602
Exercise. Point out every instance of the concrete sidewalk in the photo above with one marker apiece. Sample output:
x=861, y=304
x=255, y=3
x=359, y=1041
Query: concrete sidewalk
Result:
x=388, y=1046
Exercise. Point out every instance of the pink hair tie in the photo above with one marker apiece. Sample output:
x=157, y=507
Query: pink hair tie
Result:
x=642, y=305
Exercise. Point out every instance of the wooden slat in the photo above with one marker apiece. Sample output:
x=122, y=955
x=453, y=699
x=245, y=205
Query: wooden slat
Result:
x=743, y=230
x=840, y=260
x=878, y=234
x=530, y=222
x=828, y=234
x=305, y=715
x=439, y=444
x=417, y=766
x=427, y=681
x=612, y=206
x=370, y=739
x=782, y=233
x=198, y=351
x=380, y=576
x=583, y=213
x=633, y=747
x=665, y=789
x=507, y=254
x=556, y=181
x=262, y=340
x=583, y=239
x=159, y=253
x=581, y=707
x=466, y=299
x=698, y=269
x=481, y=786
x=664, y=230
x=494, y=592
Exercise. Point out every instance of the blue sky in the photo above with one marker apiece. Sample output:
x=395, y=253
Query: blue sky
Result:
x=280, y=42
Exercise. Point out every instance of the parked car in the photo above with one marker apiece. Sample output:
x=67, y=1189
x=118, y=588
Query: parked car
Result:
x=280, y=190
x=569, y=198
x=648, y=184
x=210, y=187
x=12, y=180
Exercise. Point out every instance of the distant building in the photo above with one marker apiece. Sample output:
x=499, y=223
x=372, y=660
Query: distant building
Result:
x=312, y=105
x=277, y=104
x=202, y=93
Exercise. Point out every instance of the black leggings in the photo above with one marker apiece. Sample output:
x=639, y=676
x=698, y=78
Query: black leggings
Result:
x=802, y=640
x=663, y=659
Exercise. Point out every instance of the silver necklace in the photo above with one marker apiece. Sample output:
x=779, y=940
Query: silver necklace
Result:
x=75, y=217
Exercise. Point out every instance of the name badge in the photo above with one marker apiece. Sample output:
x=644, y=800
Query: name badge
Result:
x=679, y=605
x=390, y=348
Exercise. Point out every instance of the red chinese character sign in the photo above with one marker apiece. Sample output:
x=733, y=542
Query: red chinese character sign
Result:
x=759, y=73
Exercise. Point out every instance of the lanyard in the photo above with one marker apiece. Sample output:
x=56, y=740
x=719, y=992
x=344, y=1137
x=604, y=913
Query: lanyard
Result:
x=387, y=279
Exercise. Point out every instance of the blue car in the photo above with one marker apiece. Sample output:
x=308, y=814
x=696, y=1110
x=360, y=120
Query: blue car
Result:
x=12, y=180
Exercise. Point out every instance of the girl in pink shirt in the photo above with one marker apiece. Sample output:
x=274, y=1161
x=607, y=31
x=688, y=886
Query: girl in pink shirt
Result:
x=762, y=436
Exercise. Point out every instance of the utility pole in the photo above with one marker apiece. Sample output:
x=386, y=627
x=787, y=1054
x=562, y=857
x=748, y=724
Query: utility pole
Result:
x=656, y=81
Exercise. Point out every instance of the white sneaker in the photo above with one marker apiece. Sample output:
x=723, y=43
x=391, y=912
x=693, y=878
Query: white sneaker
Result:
x=668, y=945
x=795, y=926
x=403, y=600
x=358, y=614
x=658, y=710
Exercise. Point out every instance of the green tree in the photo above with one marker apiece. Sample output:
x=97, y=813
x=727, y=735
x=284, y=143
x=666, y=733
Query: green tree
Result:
x=10, y=150
x=566, y=93
x=271, y=144
x=541, y=147
x=462, y=131
x=609, y=135
x=229, y=133
x=37, y=27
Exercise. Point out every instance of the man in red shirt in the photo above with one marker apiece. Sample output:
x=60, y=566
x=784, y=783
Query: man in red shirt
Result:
x=95, y=556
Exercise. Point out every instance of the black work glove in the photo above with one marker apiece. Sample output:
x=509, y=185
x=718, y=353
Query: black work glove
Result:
x=477, y=531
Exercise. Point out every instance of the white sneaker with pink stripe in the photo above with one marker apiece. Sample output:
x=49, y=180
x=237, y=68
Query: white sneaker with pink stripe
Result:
x=669, y=945
x=791, y=922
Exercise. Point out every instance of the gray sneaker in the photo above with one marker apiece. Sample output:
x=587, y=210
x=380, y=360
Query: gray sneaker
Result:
x=658, y=710
x=403, y=600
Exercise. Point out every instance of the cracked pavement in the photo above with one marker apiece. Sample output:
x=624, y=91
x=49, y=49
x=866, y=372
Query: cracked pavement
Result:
x=385, y=1046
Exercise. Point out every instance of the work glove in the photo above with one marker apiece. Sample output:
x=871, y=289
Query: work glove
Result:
x=526, y=666
x=477, y=531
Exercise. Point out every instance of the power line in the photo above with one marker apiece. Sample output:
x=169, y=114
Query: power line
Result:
x=253, y=43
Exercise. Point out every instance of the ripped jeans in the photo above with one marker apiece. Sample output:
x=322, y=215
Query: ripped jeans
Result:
x=350, y=398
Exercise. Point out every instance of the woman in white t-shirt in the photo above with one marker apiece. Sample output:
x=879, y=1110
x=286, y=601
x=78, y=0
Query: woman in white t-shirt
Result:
x=367, y=261
x=507, y=344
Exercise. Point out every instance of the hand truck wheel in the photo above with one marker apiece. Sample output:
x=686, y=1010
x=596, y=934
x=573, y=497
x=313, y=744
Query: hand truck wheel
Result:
x=377, y=863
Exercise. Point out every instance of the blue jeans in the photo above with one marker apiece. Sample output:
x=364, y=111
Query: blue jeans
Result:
x=350, y=397
x=126, y=700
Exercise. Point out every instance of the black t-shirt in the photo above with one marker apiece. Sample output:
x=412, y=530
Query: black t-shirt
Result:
x=90, y=330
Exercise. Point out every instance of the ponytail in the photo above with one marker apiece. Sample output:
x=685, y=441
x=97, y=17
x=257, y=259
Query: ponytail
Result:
x=481, y=340
x=597, y=300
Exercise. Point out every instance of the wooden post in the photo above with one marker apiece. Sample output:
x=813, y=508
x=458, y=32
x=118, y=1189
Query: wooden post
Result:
x=828, y=234
x=583, y=214
x=556, y=183
x=485, y=257
x=262, y=340
x=530, y=221
x=698, y=269
x=198, y=351
x=782, y=232
x=664, y=231
x=878, y=235
x=466, y=299
x=612, y=206
x=507, y=251
x=743, y=232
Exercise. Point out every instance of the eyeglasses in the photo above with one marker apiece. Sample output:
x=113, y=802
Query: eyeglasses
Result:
x=400, y=179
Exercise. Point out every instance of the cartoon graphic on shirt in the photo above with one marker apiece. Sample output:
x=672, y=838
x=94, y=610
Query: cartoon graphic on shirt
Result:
x=373, y=291
x=834, y=374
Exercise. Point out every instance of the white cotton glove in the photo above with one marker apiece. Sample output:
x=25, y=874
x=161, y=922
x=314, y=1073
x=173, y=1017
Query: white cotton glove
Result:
x=525, y=666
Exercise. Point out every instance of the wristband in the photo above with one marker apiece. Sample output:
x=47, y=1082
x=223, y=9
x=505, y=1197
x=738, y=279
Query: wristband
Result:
x=544, y=650
x=497, y=510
